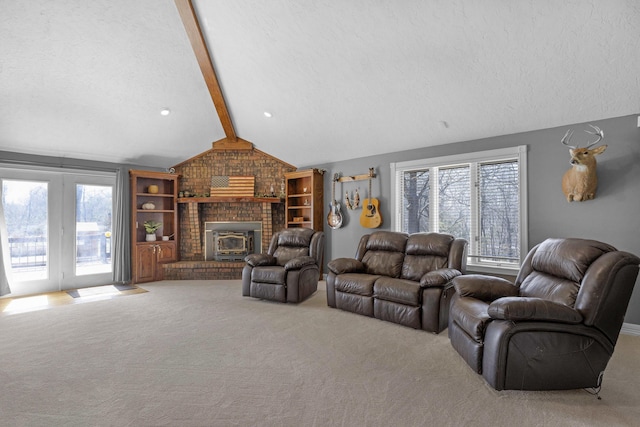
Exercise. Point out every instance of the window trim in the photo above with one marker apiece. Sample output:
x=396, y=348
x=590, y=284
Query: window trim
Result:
x=518, y=153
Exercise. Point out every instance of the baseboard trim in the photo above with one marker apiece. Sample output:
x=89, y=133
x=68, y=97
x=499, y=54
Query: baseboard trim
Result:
x=630, y=329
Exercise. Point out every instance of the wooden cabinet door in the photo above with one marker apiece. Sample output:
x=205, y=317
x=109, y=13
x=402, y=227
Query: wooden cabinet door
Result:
x=166, y=252
x=145, y=263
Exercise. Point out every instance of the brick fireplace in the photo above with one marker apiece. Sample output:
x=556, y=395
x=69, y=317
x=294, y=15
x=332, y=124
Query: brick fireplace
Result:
x=197, y=210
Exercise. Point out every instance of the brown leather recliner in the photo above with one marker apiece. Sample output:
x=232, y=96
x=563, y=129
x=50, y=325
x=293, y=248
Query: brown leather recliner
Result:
x=556, y=327
x=289, y=271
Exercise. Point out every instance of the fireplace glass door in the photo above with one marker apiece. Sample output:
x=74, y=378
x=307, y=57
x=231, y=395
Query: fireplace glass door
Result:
x=232, y=240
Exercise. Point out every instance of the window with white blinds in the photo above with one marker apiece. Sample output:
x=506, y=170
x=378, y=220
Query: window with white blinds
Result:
x=480, y=197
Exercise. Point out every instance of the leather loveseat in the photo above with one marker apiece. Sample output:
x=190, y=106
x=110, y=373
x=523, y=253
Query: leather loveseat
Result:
x=399, y=278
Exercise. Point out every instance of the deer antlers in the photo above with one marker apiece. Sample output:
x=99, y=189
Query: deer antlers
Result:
x=596, y=131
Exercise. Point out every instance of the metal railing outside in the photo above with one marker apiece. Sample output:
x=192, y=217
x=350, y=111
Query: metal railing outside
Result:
x=31, y=252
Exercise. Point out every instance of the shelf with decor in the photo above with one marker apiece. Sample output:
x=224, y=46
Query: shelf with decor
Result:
x=229, y=199
x=304, y=199
x=153, y=207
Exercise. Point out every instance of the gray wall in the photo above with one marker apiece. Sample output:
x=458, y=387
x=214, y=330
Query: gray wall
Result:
x=612, y=217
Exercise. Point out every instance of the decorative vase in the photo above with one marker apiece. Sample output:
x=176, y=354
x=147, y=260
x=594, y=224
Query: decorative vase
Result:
x=151, y=238
x=153, y=189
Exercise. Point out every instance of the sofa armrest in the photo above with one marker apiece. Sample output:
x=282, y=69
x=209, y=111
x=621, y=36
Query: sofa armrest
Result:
x=256, y=260
x=439, y=277
x=484, y=288
x=521, y=308
x=345, y=265
x=299, y=262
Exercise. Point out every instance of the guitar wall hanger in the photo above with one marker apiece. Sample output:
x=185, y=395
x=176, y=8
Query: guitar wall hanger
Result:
x=353, y=203
x=370, y=217
x=361, y=177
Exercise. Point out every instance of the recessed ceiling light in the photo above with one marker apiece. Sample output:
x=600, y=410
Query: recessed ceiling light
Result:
x=165, y=111
x=267, y=114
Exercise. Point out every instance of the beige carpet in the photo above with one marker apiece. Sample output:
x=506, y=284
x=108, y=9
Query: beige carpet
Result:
x=196, y=353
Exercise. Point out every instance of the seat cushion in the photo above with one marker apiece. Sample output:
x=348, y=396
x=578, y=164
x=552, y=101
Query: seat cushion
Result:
x=471, y=315
x=470, y=349
x=271, y=274
x=401, y=314
x=354, y=283
x=269, y=291
x=397, y=290
x=354, y=303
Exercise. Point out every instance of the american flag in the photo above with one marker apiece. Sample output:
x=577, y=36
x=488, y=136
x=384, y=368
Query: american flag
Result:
x=232, y=186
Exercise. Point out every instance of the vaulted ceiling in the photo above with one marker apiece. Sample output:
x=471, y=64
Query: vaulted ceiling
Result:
x=341, y=78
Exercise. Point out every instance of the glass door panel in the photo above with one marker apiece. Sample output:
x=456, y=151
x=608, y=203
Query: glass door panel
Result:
x=27, y=218
x=32, y=205
x=93, y=229
x=87, y=221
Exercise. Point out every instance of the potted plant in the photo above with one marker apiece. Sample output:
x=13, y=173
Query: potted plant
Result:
x=150, y=227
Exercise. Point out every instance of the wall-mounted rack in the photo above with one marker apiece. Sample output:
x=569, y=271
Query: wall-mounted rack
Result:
x=361, y=177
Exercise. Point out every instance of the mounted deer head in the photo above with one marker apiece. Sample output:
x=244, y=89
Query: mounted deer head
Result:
x=580, y=182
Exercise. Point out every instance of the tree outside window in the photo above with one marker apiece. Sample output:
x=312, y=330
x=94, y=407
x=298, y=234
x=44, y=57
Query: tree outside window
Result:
x=480, y=201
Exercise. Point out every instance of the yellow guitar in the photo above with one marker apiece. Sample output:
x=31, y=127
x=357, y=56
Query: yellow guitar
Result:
x=370, y=217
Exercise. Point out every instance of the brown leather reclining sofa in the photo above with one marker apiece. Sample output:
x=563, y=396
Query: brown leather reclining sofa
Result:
x=399, y=278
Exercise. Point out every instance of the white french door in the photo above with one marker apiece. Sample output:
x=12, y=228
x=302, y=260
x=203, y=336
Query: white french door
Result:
x=59, y=228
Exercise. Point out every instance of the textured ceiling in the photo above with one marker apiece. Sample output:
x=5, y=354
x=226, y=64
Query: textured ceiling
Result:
x=342, y=79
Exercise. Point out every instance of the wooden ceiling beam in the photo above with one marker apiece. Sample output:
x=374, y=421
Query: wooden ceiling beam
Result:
x=192, y=27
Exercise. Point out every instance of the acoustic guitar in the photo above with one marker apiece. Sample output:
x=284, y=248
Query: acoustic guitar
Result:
x=334, y=219
x=370, y=217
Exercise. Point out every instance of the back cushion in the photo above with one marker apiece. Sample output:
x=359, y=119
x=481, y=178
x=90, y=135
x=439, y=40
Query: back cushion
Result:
x=384, y=253
x=558, y=268
x=425, y=252
x=295, y=237
x=286, y=253
x=293, y=243
x=549, y=287
x=387, y=241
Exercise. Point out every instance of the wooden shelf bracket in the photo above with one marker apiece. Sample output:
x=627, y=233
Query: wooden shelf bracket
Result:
x=360, y=177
